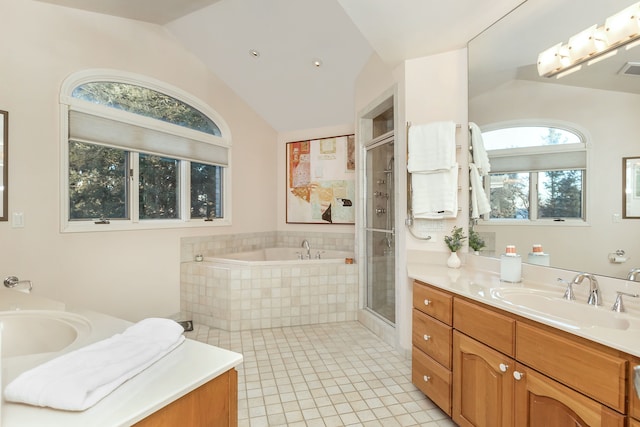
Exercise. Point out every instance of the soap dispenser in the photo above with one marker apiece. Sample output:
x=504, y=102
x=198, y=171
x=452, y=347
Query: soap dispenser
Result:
x=510, y=265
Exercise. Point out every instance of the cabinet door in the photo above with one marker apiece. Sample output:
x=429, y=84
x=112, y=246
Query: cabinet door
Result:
x=543, y=402
x=483, y=386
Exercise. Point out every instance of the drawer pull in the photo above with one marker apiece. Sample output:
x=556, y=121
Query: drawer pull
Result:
x=426, y=378
x=518, y=375
x=503, y=367
x=427, y=337
x=427, y=302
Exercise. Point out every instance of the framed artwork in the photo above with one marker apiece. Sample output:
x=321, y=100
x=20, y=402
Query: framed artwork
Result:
x=321, y=181
x=631, y=187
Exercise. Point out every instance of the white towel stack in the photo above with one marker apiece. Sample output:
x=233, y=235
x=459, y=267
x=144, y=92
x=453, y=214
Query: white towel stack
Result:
x=78, y=380
x=478, y=167
x=434, y=170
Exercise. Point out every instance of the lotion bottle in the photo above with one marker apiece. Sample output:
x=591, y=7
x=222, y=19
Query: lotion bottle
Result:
x=511, y=265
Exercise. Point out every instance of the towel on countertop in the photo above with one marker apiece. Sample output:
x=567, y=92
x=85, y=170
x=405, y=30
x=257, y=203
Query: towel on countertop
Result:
x=478, y=152
x=431, y=147
x=479, y=201
x=435, y=195
x=78, y=380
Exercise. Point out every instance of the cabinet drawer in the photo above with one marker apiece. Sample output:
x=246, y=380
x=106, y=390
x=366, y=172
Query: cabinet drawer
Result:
x=432, y=379
x=590, y=371
x=433, y=337
x=432, y=301
x=634, y=401
x=491, y=328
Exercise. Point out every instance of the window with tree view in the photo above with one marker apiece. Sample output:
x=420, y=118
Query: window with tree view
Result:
x=138, y=155
x=537, y=173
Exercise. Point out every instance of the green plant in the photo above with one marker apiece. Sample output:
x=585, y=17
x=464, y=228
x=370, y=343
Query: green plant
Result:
x=454, y=242
x=475, y=241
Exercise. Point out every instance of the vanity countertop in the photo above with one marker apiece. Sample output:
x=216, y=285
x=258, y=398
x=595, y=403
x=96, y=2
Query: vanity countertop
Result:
x=186, y=368
x=484, y=286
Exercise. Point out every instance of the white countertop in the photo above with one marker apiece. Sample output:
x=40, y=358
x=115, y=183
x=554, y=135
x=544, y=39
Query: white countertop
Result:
x=186, y=368
x=480, y=285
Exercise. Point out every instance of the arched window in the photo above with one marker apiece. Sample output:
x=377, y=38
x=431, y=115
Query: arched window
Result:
x=538, y=172
x=138, y=153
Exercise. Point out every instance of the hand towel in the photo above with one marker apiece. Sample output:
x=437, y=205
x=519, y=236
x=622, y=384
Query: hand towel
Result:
x=431, y=147
x=479, y=202
x=435, y=195
x=78, y=380
x=478, y=152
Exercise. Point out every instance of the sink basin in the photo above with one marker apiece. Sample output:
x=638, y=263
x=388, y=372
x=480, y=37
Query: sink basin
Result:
x=551, y=307
x=26, y=332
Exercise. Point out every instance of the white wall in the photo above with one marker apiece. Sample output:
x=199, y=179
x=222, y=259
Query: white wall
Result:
x=131, y=274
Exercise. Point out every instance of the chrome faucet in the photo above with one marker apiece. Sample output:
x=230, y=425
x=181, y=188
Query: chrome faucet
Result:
x=305, y=245
x=634, y=275
x=594, y=289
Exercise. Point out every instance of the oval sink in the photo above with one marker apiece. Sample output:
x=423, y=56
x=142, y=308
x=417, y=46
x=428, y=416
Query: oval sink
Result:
x=573, y=314
x=26, y=332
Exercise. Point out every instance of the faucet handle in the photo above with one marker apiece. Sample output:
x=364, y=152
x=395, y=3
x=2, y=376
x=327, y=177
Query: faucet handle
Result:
x=618, y=306
x=568, y=294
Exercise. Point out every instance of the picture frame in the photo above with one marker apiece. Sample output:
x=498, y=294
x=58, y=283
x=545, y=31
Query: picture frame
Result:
x=320, y=181
x=631, y=187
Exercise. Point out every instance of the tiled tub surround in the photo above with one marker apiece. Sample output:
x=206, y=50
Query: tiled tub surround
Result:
x=241, y=296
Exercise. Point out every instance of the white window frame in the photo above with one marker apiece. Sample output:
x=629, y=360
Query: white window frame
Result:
x=533, y=190
x=68, y=104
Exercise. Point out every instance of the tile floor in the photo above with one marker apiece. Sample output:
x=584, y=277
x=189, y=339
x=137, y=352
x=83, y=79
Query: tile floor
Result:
x=332, y=374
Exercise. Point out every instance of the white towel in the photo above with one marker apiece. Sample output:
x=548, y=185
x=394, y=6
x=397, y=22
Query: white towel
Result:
x=79, y=379
x=432, y=147
x=479, y=202
x=435, y=195
x=479, y=154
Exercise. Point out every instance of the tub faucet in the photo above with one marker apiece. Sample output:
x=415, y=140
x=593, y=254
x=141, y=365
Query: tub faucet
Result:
x=305, y=245
x=634, y=275
x=594, y=289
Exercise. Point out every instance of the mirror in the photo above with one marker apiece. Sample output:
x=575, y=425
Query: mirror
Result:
x=601, y=100
x=4, y=150
x=631, y=187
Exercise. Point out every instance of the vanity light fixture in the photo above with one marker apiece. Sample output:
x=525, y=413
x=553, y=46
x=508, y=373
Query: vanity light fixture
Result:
x=593, y=44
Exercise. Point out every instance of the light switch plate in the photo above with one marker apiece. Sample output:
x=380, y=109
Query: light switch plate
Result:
x=17, y=220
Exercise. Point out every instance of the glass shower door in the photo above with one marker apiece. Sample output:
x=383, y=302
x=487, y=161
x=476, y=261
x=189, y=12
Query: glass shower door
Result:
x=380, y=219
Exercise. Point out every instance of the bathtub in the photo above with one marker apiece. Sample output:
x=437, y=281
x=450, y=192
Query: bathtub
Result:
x=281, y=256
x=269, y=288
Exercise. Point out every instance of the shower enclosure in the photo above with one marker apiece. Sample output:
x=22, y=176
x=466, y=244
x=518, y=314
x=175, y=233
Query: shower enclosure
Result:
x=379, y=228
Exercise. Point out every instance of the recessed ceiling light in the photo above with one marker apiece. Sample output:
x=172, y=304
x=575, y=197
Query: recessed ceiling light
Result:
x=317, y=63
x=254, y=53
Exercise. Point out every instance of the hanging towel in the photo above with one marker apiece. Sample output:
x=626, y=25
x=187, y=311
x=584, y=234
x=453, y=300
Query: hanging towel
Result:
x=479, y=201
x=435, y=195
x=79, y=379
x=479, y=154
x=431, y=147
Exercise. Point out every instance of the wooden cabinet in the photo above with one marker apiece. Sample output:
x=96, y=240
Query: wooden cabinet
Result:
x=482, y=384
x=214, y=404
x=542, y=402
x=432, y=344
x=505, y=370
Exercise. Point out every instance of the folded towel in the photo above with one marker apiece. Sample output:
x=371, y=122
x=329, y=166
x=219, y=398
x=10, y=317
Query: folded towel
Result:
x=432, y=147
x=435, y=195
x=479, y=154
x=479, y=202
x=79, y=379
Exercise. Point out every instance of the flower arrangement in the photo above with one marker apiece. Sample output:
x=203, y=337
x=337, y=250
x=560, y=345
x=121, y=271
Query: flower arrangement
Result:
x=475, y=241
x=454, y=242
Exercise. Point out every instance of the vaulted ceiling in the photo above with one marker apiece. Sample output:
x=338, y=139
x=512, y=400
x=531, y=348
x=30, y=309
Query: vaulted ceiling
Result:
x=296, y=61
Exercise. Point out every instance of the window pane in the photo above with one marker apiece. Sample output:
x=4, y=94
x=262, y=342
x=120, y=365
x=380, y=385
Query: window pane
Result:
x=509, y=195
x=145, y=102
x=560, y=194
x=527, y=136
x=97, y=182
x=158, y=187
x=206, y=191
